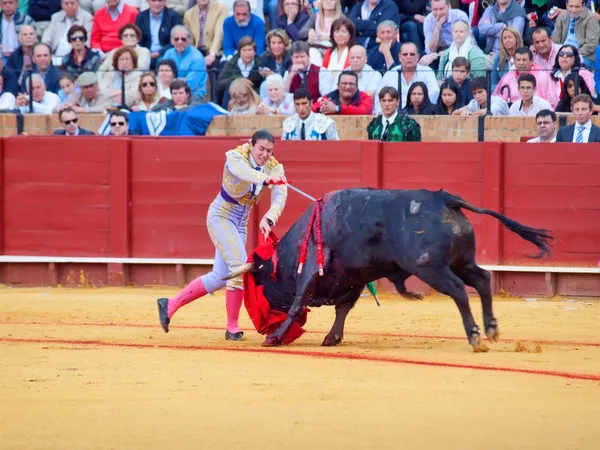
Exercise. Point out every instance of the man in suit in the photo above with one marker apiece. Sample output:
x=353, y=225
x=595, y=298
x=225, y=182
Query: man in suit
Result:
x=583, y=130
x=156, y=24
x=69, y=120
x=205, y=21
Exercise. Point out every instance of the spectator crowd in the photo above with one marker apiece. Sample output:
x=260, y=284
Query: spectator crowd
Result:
x=308, y=59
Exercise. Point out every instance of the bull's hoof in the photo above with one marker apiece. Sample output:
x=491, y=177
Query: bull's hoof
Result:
x=271, y=341
x=412, y=296
x=332, y=340
x=478, y=346
x=492, y=331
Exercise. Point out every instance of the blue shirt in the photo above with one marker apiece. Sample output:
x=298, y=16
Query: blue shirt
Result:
x=154, y=29
x=232, y=33
x=191, y=66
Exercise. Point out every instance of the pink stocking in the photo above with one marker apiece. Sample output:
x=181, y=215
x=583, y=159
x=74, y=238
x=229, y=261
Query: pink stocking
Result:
x=190, y=293
x=233, y=303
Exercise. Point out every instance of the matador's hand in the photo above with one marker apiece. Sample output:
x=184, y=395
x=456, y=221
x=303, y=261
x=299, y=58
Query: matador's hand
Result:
x=265, y=227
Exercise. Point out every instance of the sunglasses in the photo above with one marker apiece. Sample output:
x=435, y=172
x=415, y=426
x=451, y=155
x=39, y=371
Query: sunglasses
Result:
x=79, y=37
x=148, y=83
x=182, y=39
x=566, y=54
x=409, y=54
x=69, y=122
x=133, y=35
x=117, y=124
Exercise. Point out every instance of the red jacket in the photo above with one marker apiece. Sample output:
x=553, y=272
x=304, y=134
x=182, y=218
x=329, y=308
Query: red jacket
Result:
x=361, y=104
x=105, y=31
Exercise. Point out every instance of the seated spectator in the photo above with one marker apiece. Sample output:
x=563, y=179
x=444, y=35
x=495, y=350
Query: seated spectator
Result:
x=41, y=57
x=155, y=25
x=20, y=61
x=181, y=98
x=318, y=36
x=336, y=58
x=567, y=92
x=148, y=93
x=368, y=79
x=245, y=64
x=412, y=19
x=89, y=98
x=479, y=105
x=119, y=124
x=306, y=125
x=67, y=86
x=277, y=101
x=205, y=22
x=461, y=70
x=129, y=35
x=417, y=100
x=302, y=74
x=529, y=104
x=495, y=18
x=179, y=6
x=384, y=56
x=411, y=72
x=508, y=88
x=81, y=58
x=108, y=22
x=568, y=61
x=43, y=101
x=11, y=83
x=439, y=29
x=69, y=120
x=392, y=125
x=367, y=15
x=121, y=82
x=243, y=23
x=583, y=130
x=545, y=50
x=450, y=100
x=166, y=71
x=188, y=59
x=346, y=99
x=504, y=62
x=462, y=46
x=294, y=20
x=11, y=22
x=244, y=99
x=545, y=124
x=578, y=26
x=276, y=59
x=57, y=33
x=7, y=99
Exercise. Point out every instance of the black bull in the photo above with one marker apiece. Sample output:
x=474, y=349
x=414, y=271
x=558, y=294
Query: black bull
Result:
x=371, y=234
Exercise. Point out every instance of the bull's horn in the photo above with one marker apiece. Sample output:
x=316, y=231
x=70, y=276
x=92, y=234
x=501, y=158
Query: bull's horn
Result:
x=240, y=271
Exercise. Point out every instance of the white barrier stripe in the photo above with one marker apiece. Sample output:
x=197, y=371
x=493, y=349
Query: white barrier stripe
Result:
x=202, y=262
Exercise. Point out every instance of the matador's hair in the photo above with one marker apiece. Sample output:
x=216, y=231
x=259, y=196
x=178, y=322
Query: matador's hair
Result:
x=262, y=135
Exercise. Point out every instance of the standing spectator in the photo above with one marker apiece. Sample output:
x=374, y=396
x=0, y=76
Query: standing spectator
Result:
x=242, y=23
x=411, y=72
x=384, y=56
x=294, y=20
x=129, y=35
x=393, y=125
x=367, y=15
x=346, y=99
x=107, y=23
x=545, y=124
x=69, y=120
x=81, y=58
x=89, y=98
x=417, y=100
x=496, y=17
x=368, y=79
x=155, y=25
x=42, y=64
x=205, y=21
x=20, y=61
x=57, y=33
x=578, y=26
x=11, y=22
x=7, y=99
x=462, y=46
x=44, y=101
x=190, y=62
x=306, y=125
x=529, y=104
x=438, y=26
x=583, y=130
x=302, y=74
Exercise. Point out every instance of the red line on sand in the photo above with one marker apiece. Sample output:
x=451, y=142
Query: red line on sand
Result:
x=357, y=333
x=347, y=356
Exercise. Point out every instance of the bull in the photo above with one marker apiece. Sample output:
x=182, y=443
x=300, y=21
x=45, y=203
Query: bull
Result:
x=369, y=234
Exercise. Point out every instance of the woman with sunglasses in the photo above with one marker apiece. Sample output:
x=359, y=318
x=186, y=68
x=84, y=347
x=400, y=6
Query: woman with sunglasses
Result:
x=148, y=91
x=81, y=58
x=568, y=61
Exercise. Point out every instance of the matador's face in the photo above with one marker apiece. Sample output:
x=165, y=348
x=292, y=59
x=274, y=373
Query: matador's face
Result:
x=261, y=151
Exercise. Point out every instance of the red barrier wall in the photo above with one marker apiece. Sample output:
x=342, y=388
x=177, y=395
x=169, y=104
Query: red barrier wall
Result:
x=148, y=197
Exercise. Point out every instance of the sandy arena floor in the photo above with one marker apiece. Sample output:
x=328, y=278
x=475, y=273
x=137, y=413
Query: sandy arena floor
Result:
x=91, y=368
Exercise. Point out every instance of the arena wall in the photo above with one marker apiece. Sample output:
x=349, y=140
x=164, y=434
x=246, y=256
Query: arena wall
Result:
x=118, y=211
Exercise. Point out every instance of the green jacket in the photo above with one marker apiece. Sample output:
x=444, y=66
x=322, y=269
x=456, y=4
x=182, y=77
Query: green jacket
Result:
x=404, y=129
x=476, y=58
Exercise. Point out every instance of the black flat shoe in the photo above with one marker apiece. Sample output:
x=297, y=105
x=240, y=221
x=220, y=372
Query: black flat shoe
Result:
x=239, y=336
x=163, y=313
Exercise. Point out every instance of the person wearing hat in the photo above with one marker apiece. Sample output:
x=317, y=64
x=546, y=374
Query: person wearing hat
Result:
x=89, y=99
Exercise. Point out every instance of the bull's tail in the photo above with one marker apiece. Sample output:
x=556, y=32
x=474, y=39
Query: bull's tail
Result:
x=541, y=238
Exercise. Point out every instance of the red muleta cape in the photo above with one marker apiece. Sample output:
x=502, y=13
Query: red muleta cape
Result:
x=265, y=319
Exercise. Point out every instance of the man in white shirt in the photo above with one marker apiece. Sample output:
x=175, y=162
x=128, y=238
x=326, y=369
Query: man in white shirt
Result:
x=44, y=101
x=583, y=130
x=411, y=73
x=529, y=104
x=306, y=125
x=368, y=79
x=545, y=123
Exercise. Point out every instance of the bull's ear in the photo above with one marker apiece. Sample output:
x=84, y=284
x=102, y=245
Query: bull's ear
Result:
x=248, y=267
